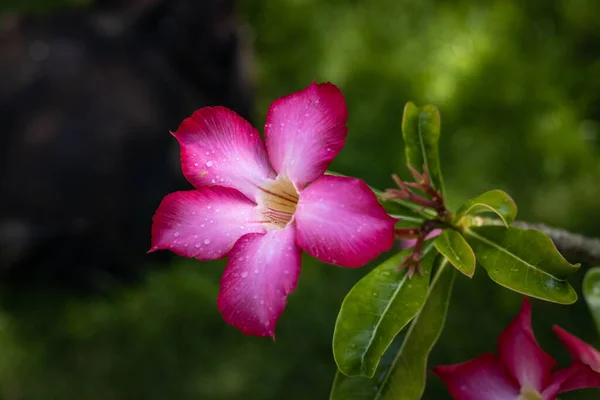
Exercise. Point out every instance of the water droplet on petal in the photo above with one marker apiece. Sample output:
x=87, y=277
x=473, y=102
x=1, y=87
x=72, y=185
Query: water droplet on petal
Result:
x=244, y=274
x=256, y=271
x=195, y=164
x=209, y=164
x=197, y=245
x=176, y=234
x=206, y=241
x=208, y=207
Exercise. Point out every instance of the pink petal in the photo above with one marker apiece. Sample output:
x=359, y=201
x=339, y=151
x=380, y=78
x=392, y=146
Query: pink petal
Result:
x=218, y=147
x=262, y=270
x=576, y=376
x=581, y=377
x=405, y=244
x=482, y=378
x=340, y=222
x=305, y=131
x=579, y=350
x=556, y=381
x=203, y=223
x=520, y=353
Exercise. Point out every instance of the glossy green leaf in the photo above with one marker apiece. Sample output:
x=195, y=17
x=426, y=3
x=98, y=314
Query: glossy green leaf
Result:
x=495, y=201
x=375, y=310
x=456, y=249
x=421, y=132
x=523, y=260
x=591, y=293
x=403, y=376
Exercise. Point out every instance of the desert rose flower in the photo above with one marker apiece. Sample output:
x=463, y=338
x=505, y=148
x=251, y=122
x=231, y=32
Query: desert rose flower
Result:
x=261, y=206
x=522, y=370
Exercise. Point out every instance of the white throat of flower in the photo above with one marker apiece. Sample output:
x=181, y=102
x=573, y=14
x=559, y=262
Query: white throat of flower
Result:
x=528, y=393
x=278, y=201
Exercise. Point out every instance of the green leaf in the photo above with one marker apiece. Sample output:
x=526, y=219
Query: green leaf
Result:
x=403, y=378
x=495, y=201
x=421, y=132
x=523, y=260
x=591, y=293
x=375, y=310
x=456, y=249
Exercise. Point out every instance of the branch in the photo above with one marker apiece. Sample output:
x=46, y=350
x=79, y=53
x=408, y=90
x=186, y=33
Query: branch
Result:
x=574, y=247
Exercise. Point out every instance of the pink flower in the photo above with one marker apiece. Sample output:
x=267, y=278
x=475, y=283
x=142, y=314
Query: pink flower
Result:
x=261, y=206
x=406, y=243
x=522, y=370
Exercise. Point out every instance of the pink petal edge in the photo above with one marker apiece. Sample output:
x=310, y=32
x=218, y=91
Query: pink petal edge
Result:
x=339, y=221
x=520, y=353
x=203, y=223
x=482, y=378
x=579, y=350
x=305, y=131
x=262, y=270
x=576, y=376
x=405, y=244
x=218, y=147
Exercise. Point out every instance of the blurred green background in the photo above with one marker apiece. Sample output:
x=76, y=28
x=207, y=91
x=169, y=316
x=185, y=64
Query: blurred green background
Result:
x=518, y=87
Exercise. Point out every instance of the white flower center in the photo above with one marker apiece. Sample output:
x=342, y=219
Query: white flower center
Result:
x=528, y=393
x=278, y=201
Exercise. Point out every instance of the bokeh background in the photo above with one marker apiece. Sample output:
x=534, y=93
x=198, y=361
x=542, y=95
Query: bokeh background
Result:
x=90, y=89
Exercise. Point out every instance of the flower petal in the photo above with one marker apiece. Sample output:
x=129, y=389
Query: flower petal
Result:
x=576, y=376
x=579, y=350
x=581, y=377
x=203, y=223
x=305, y=131
x=262, y=270
x=520, y=353
x=340, y=222
x=405, y=244
x=482, y=378
x=218, y=147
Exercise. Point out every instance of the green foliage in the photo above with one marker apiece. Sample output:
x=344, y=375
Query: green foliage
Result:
x=421, y=132
x=591, y=293
x=494, y=201
x=452, y=245
x=404, y=377
x=523, y=260
x=375, y=310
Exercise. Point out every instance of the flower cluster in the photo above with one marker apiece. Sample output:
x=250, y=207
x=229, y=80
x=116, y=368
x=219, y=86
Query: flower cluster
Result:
x=522, y=370
x=260, y=206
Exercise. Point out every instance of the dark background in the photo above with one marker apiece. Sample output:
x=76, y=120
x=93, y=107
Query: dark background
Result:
x=89, y=91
